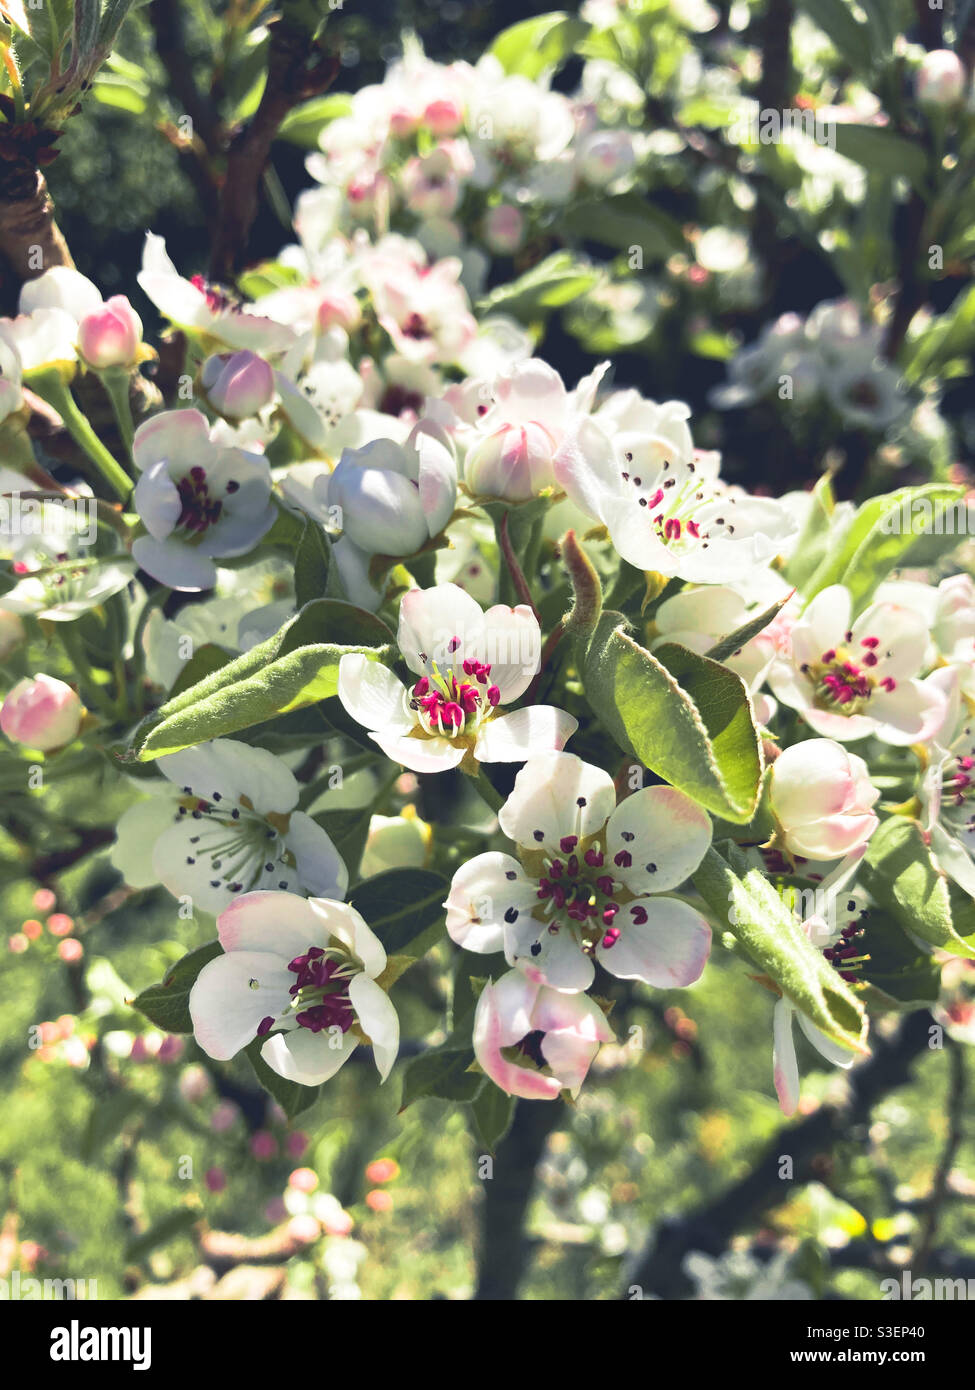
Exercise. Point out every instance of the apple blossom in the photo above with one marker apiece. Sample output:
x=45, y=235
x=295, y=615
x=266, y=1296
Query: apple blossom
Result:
x=469, y=663
x=851, y=678
x=111, y=335
x=228, y=825
x=821, y=796
x=504, y=229
x=534, y=1042
x=301, y=973
x=41, y=713
x=662, y=502
x=198, y=500
x=587, y=884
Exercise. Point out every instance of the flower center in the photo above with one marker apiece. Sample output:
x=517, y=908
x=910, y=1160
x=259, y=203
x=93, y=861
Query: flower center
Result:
x=843, y=679
x=200, y=510
x=242, y=849
x=453, y=703
x=581, y=893
x=320, y=993
x=672, y=500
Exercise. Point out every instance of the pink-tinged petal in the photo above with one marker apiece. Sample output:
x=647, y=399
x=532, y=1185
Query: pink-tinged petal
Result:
x=523, y=734
x=230, y=997
x=271, y=921
x=306, y=1057
x=437, y=480
x=669, y=950
x=570, y=1057
x=554, y=796
x=655, y=839
x=420, y=754
x=440, y=624
x=371, y=694
x=321, y=870
x=570, y=1013
x=511, y=645
x=482, y=891
x=489, y=1039
x=913, y=712
x=828, y=839
x=379, y=1021
x=785, y=1068
x=178, y=436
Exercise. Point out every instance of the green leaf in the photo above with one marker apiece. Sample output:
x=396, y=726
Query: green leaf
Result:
x=624, y=221
x=557, y=280
x=348, y=832
x=900, y=873
x=538, y=45
x=292, y=1097
x=404, y=907
x=290, y=670
x=166, y=1004
x=204, y=661
x=303, y=124
x=951, y=334
x=312, y=564
x=683, y=716
x=772, y=935
x=444, y=1073
x=737, y=639
x=492, y=1110
x=883, y=151
x=882, y=536
x=851, y=38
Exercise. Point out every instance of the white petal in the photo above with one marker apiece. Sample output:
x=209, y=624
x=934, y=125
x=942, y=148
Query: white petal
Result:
x=668, y=951
x=523, y=734
x=272, y=921
x=547, y=958
x=226, y=1005
x=227, y=770
x=544, y=806
x=826, y=1047
x=345, y=924
x=321, y=870
x=482, y=891
x=664, y=833
x=177, y=565
x=785, y=1068
x=440, y=624
x=421, y=754
x=379, y=1020
x=306, y=1057
x=511, y=645
x=371, y=693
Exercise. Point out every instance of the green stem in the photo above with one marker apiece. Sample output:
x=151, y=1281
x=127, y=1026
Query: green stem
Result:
x=514, y=568
x=50, y=386
x=493, y=797
x=116, y=383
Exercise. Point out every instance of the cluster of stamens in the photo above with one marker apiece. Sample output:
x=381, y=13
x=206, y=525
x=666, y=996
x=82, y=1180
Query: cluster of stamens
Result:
x=958, y=778
x=582, y=888
x=219, y=300
x=250, y=840
x=320, y=994
x=200, y=510
x=847, y=957
x=671, y=503
x=445, y=704
x=839, y=680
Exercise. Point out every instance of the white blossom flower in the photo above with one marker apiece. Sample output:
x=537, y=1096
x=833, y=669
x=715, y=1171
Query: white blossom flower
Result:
x=821, y=796
x=469, y=663
x=850, y=678
x=587, y=884
x=229, y=827
x=198, y=499
x=636, y=471
x=301, y=972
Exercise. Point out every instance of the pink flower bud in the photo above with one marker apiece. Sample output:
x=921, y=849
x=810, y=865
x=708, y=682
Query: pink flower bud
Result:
x=110, y=336
x=238, y=384
x=605, y=156
x=821, y=796
x=941, y=79
x=444, y=117
x=42, y=713
x=515, y=462
x=504, y=229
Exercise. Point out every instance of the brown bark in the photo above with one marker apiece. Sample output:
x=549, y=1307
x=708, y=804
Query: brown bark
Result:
x=30, y=238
